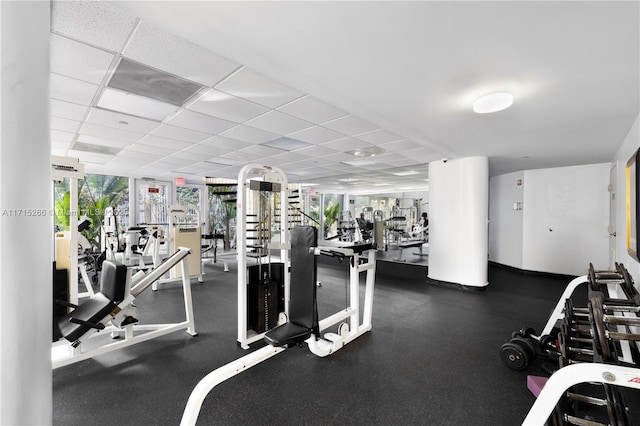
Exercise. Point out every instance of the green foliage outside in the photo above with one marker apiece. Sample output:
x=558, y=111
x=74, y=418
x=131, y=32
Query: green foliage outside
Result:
x=331, y=215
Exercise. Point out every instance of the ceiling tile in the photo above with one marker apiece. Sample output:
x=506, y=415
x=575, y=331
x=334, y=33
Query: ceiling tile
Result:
x=172, y=162
x=197, y=167
x=311, y=109
x=88, y=157
x=223, y=161
x=350, y=125
x=249, y=134
x=62, y=136
x=315, y=151
x=261, y=150
x=72, y=90
x=240, y=156
x=200, y=122
x=139, y=147
x=290, y=156
x=339, y=157
x=255, y=87
x=142, y=157
x=173, y=144
x=64, y=124
x=121, y=121
x=102, y=141
x=277, y=122
x=140, y=106
x=316, y=135
x=207, y=150
x=346, y=144
x=398, y=146
x=226, y=143
x=67, y=110
x=106, y=132
x=378, y=136
x=162, y=50
x=193, y=156
x=96, y=23
x=228, y=107
x=60, y=145
x=180, y=133
x=78, y=60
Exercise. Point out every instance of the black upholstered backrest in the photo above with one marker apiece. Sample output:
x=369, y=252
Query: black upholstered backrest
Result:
x=113, y=282
x=302, y=295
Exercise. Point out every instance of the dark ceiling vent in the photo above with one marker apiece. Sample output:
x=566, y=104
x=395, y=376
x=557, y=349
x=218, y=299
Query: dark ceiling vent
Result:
x=141, y=80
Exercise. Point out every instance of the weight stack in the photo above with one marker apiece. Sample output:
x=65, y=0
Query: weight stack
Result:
x=265, y=296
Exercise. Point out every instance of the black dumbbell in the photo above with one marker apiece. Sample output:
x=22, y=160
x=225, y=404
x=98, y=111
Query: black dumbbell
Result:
x=518, y=353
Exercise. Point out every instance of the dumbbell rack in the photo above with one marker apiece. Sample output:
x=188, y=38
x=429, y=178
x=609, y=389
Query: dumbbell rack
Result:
x=604, y=333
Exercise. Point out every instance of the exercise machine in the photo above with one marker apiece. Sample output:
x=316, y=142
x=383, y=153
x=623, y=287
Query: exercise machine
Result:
x=111, y=313
x=262, y=235
x=302, y=324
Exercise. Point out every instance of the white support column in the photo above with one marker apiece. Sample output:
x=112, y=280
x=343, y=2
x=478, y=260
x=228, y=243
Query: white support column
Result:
x=26, y=226
x=458, y=221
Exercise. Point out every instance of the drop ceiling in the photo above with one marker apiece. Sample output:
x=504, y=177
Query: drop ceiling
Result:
x=343, y=96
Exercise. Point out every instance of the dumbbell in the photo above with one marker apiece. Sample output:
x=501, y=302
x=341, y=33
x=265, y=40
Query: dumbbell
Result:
x=518, y=353
x=546, y=342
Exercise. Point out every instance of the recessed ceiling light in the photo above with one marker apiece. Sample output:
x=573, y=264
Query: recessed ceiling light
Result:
x=493, y=102
x=359, y=162
x=406, y=173
x=286, y=144
x=367, y=152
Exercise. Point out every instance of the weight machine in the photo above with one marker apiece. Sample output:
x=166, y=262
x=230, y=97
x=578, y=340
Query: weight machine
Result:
x=303, y=324
x=112, y=311
x=262, y=227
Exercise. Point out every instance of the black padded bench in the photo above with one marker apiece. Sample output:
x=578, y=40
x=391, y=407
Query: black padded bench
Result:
x=89, y=314
x=303, y=309
x=410, y=244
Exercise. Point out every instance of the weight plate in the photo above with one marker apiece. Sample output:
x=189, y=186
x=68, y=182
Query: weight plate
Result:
x=527, y=345
x=597, y=323
x=514, y=356
x=527, y=331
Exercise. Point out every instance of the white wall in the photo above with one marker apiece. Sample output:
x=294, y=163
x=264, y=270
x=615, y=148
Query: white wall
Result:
x=505, y=223
x=459, y=207
x=628, y=147
x=566, y=215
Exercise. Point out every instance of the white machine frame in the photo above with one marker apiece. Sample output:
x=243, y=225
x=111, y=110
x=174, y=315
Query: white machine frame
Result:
x=65, y=353
x=269, y=174
x=318, y=345
x=571, y=375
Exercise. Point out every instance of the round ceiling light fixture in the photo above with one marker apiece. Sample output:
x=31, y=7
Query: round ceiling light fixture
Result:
x=493, y=102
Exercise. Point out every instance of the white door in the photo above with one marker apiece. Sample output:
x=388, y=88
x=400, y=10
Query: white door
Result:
x=612, y=216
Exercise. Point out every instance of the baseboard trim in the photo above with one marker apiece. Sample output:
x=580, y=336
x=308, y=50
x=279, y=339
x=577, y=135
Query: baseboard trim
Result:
x=535, y=273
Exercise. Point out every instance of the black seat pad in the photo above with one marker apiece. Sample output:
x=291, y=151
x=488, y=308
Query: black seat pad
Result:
x=287, y=334
x=92, y=310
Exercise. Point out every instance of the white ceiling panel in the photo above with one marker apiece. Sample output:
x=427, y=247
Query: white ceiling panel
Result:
x=255, y=87
x=398, y=146
x=64, y=124
x=315, y=151
x=90, y=157
x=180, y=133
x=96, y=23
x=316, y=135
x=311, y=109
x=165, y=51
x=240, y=156
x=249, y=134
x=72, y=90
x=228, y=107
x=197, y=168
x=200, y=122
x=141, y=157
x=171, y=162
x=121, y=121
x=106, y=132
x=62, y=136
x=129, y=103
x=339, y=157
x=277, y=122
x=192, y=156
x=223, y=161
x=139, y=147
x=102, y=141
x=261, y=150
x=60, y=145
x=350, y=125
x=207, y=151
x=311, y=163
x=226, y=143
x=78, y=60
x=174, y=144
x=290, y=156
x=346, y=144
x=67, y=110
x=378, y=136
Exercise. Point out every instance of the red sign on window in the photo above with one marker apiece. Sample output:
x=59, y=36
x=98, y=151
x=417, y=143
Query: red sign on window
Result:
x=154, y=190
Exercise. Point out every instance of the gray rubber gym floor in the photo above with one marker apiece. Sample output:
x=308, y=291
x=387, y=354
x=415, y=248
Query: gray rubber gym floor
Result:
x=432, y=358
